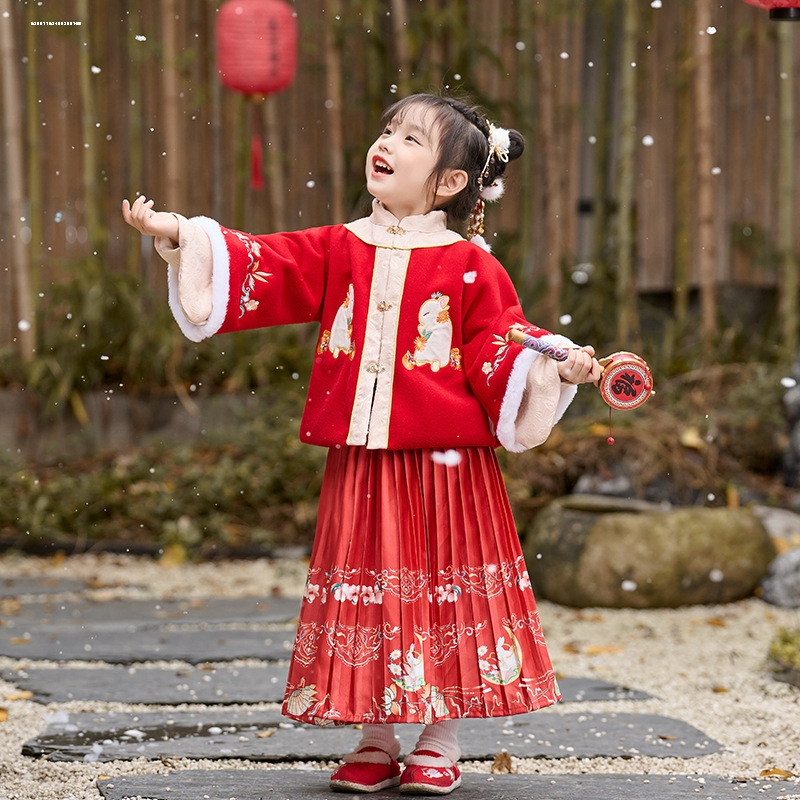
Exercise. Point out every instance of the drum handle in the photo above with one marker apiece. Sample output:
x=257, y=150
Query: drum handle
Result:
x=537, y=344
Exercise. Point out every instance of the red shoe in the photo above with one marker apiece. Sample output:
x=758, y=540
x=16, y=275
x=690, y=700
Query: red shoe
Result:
x=427, y=772
x=371, y=773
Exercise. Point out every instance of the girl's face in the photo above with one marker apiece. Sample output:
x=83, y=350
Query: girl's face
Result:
x=400, y=163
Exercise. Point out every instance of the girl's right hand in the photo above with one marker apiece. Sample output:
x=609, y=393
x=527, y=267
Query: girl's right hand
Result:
x=141, y=216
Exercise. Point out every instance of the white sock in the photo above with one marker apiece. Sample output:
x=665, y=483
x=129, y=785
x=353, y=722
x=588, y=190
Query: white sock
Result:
x=441, y=738
x=380, y=736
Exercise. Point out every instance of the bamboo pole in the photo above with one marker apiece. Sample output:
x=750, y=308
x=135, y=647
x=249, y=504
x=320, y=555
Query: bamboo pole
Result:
x=36, y=204
x=400, y=31
x=525, y=109
x=704, y=144
x=15, y=181
x=683, y=180
x=88, y=130
x=552, y=170
x=625, y=245
x=333, y=104
x=786, y=237
x=172, y=107
x=273, y=162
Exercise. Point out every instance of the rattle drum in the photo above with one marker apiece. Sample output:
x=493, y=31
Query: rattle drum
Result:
x=626, y=381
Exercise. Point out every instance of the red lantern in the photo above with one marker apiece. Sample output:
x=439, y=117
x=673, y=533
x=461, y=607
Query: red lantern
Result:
x=779, y=9
x=256, y=45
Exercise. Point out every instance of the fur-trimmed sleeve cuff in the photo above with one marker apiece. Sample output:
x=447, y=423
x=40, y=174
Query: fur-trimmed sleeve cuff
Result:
x=197, y=276
x=534, y=401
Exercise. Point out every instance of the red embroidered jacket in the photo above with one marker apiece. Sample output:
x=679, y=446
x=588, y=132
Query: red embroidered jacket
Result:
x=412, y=348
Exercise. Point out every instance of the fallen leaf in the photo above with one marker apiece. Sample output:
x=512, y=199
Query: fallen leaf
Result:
x=10, y=606
x=584, y=616
x=3, y=714
x=691, y=438
x=720, y=689
x=12, y=696
x=20, y=640
x=602, y=649
x=774, y=772
x=571, y=647
x=667, y=737
x=717, y=622
x=502, y=765
x=265, y=734
x=173, y=556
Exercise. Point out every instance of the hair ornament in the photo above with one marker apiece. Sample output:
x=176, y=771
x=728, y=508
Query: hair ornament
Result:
x=499, y=145
x=493, y=192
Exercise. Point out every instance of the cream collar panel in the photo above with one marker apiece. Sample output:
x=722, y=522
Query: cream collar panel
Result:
x=383, y=229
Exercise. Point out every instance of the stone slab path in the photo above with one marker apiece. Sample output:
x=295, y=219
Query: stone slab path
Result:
x=303, y=784
x=266, y=736
x=126, y=637
x=222, y=684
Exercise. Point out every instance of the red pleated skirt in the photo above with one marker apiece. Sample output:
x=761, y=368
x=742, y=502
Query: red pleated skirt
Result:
x=418, y=606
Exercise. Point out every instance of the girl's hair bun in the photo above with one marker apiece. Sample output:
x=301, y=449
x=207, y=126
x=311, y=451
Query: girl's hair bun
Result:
x=516, y=144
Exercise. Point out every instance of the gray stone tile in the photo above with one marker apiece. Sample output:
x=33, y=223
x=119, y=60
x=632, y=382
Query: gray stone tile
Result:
x=266, y=736
x=224, y=684
x=13, y=586
x=132, y=645
x=301, y=785
x=143, y=614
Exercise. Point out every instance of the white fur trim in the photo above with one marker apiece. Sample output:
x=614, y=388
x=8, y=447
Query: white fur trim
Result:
x=494, y=191
x=520, y=428
x=220, y=281
x=482, y=243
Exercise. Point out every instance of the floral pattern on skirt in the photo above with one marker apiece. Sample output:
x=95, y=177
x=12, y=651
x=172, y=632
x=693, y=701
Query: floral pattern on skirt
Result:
x=418, y=606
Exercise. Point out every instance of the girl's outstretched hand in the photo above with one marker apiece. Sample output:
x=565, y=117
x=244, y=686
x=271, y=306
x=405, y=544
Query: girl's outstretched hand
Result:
x=141, y=216
x=580, y=367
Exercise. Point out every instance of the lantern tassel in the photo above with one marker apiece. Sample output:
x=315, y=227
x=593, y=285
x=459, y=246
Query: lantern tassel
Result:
x=256, y=162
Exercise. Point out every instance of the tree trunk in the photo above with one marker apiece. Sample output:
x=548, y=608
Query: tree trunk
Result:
x=786, y=239
x=15, y=182
x=704, y=149
x=626, y=166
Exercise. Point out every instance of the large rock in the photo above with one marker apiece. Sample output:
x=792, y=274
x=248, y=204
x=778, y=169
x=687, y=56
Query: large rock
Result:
x=598, y=551
x=781, y=586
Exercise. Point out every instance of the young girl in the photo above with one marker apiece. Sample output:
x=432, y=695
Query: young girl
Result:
x=418, y=606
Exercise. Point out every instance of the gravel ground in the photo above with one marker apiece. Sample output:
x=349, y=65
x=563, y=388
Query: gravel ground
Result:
x=702, y=664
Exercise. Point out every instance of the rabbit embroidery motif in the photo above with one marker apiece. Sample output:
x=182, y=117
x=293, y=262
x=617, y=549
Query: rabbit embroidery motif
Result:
x=433, y=345
x=339, y=339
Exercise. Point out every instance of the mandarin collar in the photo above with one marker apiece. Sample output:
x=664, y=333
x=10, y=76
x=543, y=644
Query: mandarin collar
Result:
x=384, y=229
